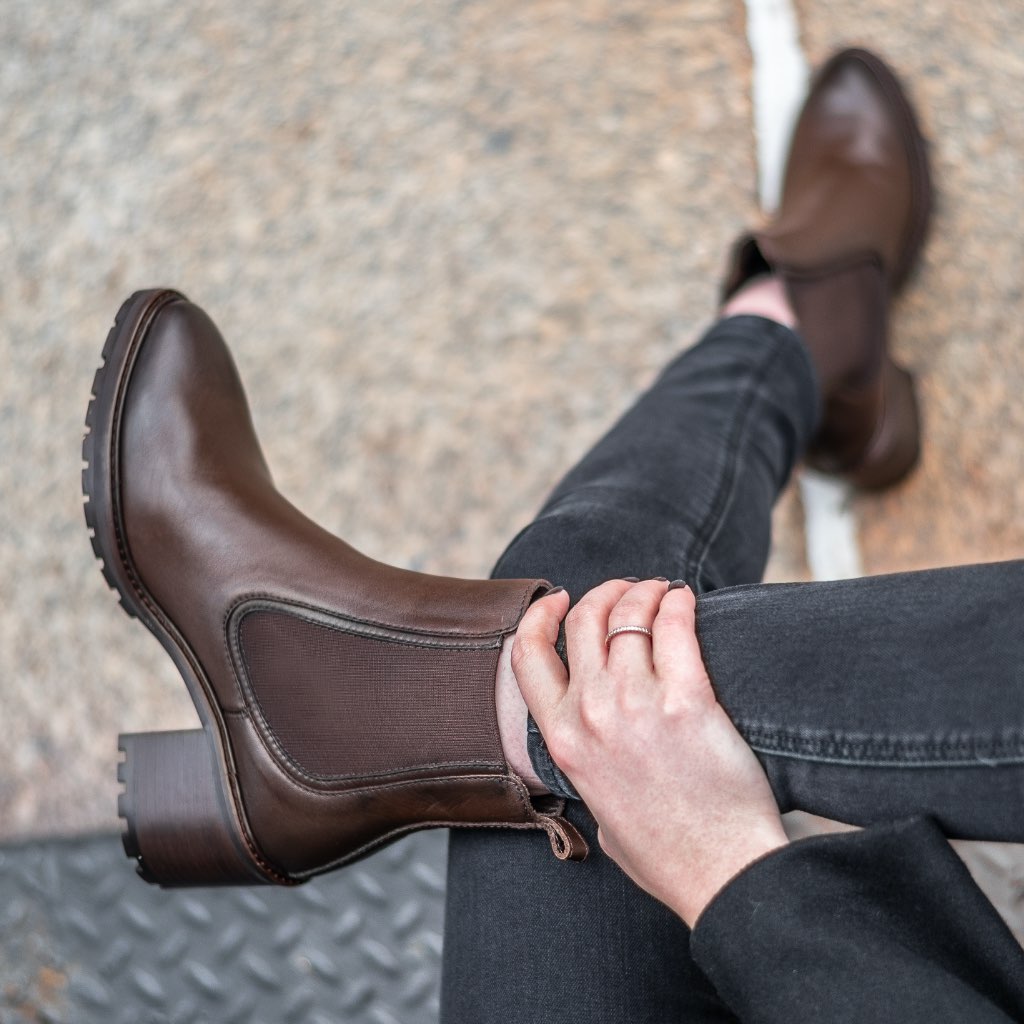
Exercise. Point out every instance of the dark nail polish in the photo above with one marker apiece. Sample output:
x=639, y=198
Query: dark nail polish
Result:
x=555, y=590
x=660, y=579
x=631, y=579
x=677, y=585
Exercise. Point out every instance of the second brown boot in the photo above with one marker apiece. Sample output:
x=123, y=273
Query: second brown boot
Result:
x=343, y=702
x=851, y=223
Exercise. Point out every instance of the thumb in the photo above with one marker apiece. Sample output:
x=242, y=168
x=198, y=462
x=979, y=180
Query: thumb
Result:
x=537, y=667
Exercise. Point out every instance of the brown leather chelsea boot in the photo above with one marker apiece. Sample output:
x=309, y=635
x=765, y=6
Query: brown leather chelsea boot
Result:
x=344, y=703
x=856, y=202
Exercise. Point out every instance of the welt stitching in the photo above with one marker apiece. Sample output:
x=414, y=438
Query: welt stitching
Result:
x=404, y=830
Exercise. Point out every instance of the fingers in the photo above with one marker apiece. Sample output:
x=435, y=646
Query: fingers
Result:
x=637, y=607
x=676, y=652
x=671, y=653
x=537, y=667
x=587, y=626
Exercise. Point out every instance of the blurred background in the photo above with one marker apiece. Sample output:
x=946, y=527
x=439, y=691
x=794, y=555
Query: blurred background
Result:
x=448, y=243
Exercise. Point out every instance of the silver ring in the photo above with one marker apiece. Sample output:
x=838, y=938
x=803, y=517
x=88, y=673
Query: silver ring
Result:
x=626, y=629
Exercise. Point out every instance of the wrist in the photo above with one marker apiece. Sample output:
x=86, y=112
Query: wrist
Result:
x=724, y=864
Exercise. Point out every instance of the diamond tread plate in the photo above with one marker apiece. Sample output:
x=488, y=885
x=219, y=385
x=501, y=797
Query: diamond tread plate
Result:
x=83, y=940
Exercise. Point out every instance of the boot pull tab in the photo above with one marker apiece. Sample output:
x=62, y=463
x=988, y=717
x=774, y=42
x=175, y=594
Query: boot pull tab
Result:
x=566, y=841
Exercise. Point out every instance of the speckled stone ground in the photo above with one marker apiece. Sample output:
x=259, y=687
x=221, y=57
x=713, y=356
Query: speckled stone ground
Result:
x=448, y=244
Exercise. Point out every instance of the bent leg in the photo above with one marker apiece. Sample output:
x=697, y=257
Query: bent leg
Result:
x=865, y=699
x=682, y=486
x=879, y=698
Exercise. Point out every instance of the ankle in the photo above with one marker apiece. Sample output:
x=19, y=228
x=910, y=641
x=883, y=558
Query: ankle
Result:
x=765, y=296
x=511, y=713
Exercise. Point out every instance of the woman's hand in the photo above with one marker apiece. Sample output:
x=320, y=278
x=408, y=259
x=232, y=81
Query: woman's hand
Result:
x=681, y=801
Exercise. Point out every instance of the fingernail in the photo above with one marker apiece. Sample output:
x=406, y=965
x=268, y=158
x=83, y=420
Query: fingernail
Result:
x=677, y=585
x=631, y=579
x=660, y=579
x=555, y=590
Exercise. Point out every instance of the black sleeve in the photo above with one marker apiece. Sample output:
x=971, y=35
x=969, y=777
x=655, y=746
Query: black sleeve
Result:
x=880, y=925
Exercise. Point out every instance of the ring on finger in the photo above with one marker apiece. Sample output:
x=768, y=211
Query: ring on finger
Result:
x=618, y=630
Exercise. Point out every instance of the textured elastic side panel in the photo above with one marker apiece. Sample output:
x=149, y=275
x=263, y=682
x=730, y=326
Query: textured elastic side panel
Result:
x=345, y=704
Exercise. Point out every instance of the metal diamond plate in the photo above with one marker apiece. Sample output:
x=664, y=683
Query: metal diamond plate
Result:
x=83, y=940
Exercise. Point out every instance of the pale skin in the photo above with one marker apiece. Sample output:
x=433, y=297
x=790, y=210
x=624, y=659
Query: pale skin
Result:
x=681, y=802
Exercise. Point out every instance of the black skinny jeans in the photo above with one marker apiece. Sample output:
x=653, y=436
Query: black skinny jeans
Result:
x=866, y=700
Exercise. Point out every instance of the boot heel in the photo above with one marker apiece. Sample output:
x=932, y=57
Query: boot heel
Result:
x=896, y=447
x=179, y=827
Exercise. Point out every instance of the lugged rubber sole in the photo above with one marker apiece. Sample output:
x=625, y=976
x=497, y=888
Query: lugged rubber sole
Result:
x=182, y=820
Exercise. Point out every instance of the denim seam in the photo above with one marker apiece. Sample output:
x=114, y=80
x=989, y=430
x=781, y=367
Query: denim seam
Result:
x=840, y=748
x=980, y=762
x=705, y=534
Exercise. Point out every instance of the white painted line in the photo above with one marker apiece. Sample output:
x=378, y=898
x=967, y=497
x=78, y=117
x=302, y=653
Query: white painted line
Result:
x=830, y=527
x=780, y=84
x=780, y=77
